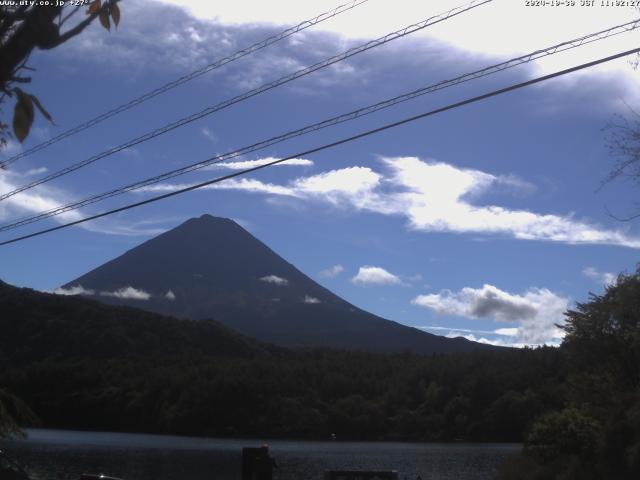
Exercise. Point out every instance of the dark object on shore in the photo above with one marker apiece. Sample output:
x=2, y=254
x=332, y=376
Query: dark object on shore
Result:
x=360, y=475
x=257, y=463
x=10, y=469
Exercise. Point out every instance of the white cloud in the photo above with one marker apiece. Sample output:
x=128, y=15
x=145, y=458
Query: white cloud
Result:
x=74, y=290
x=333, y=186
x=506, y=337
x=283, y=282
x=244, y=164
x=537, y=311
x=506, y=332
x=34, y=200
x=478, y=31
x=181, y=42
x=208, y=134
x=332, y=272
x=434, y=197
x=309, y=299
x=249, y=185
x=437, y=197
x=381, y=17
x=43, y=198
x=351, y=180
x=604, y=278
x=36, y=171
x=133, y=229
x=497, y=342
x=368, y=275
x=170, y=295
x=129, y=293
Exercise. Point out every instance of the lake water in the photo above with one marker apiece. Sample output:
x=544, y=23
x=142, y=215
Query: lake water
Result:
x=158, y=457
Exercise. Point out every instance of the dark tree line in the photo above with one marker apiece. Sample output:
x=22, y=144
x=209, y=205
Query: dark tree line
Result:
x=81, y=364
x=313, y=394
x=596, y=433
x=577, y=407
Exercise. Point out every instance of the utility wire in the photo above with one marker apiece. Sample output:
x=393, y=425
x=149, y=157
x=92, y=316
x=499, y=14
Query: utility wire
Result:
x=330, y=145
x=564, y=46
x=251, y=93
x=187, y=78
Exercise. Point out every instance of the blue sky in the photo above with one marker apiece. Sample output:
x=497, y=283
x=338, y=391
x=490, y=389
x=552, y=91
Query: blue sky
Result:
x=485, y=221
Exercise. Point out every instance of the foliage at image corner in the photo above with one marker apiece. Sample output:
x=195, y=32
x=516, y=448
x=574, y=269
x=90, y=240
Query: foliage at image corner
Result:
x=25, y=27
x=596, y=435
x=14, y=414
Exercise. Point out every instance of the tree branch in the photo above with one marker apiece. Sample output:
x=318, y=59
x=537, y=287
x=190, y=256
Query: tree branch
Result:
x=82, y=25
x=71, y=14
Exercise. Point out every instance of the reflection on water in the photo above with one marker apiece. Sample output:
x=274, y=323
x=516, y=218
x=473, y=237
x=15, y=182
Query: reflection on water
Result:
x=157, y=457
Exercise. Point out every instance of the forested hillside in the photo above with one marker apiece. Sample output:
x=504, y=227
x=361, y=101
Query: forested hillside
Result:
x=84, y=365
x=36, y=326
x=596, y=433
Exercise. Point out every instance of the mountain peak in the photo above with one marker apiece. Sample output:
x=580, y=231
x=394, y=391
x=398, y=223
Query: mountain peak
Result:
x=207, y=217
x=209, y=220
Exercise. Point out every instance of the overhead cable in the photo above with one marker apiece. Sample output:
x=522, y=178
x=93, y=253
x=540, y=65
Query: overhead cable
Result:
x=328, y=145
x=251, y=93
x=186, y=78
x=564, y=46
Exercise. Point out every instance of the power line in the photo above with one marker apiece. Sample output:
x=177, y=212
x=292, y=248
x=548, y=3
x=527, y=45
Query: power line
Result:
x=187, y=78
x=564, y=46
x=330, y=145
x=251, y=93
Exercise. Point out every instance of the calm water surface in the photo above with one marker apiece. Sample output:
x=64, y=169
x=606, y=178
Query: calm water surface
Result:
x=157, y=457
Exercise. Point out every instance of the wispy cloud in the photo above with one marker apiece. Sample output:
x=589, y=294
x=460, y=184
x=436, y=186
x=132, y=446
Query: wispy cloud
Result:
x=170, y=295
x=438, y=197
x=276, y=280
x=209, y=134
x=368, y=275
x=433, y=197
x=604, y=278
x=497, y=342
x=461, y=34
x=45, y=197
x=128, y=293
x=332, y=272
x=537, y=312
x=74, y=290
x=311, y=300
x=502, y=337
x=244, y=164
x=36, y=171
x=244, y=184
x=30, y=201
x=507, y=332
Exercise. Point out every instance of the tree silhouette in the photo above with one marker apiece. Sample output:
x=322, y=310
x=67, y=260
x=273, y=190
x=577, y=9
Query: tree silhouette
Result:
x=13, y=413
x=596, y=435
x=25, y=27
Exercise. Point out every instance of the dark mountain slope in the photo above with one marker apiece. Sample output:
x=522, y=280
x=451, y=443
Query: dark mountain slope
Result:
x=211, y=267
x=36, y=326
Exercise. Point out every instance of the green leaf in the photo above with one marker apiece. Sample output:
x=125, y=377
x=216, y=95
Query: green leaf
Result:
x=22, y=115
x=94, y=7
x=115, y=14
x=39, y=106
x=104, y=19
